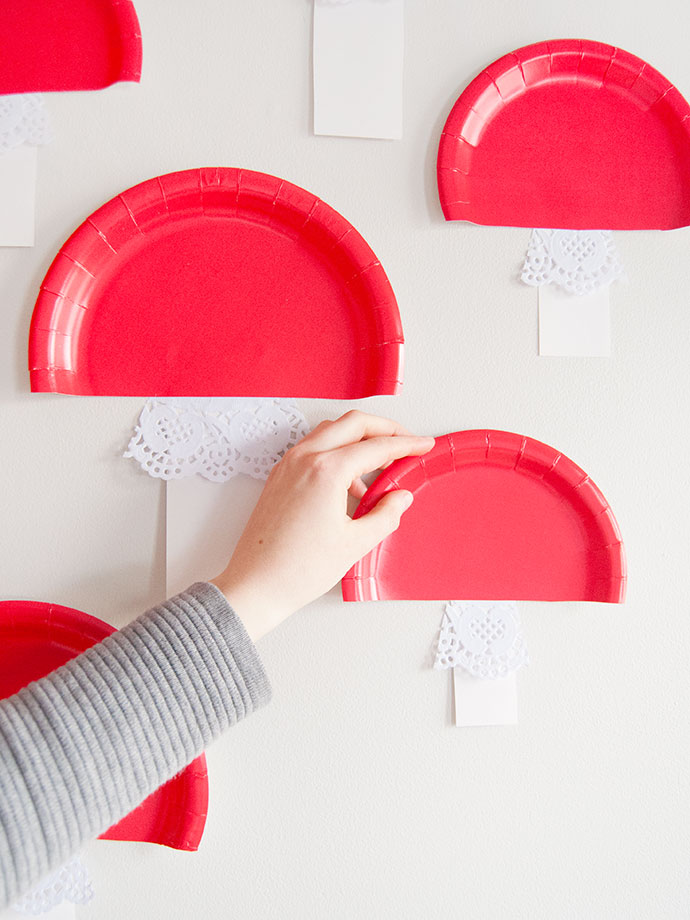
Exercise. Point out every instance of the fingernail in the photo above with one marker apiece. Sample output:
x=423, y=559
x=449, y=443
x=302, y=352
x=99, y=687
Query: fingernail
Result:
x=408, y=498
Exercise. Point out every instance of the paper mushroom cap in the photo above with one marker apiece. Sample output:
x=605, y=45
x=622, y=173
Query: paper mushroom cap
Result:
x=496, y=516
x=35, y=639
x=68, y=45
x=568, y=134
x=216, y=282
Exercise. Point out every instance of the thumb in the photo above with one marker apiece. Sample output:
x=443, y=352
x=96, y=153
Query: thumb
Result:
x=383, y=518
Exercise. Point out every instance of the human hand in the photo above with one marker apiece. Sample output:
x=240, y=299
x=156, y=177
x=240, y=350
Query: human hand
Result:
x=300, y=540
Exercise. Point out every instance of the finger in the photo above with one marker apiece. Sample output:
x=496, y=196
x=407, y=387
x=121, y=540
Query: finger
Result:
x=357, y=487
x=315, y=432
x=349, y=428
x=383, y=518
x=365, y=456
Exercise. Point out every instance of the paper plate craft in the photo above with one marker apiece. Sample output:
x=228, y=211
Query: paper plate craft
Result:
x=569, y=134
x=36, y=638
x=68, y=45
x=216, y=282
x=496, y=516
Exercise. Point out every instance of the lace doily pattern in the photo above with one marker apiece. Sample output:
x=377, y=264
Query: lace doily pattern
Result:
x=70, y=882
x=215, y=438
x=484, y=638
x=23, y=120
x=578, y=261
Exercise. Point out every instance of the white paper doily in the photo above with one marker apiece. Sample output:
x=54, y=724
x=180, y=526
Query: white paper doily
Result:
x=70, y=882
x=482, y=637
x=216, y=438
x=23, y=120
x=578, y=261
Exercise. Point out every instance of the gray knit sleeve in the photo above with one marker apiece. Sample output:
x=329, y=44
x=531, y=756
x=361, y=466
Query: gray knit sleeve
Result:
x=84, y=745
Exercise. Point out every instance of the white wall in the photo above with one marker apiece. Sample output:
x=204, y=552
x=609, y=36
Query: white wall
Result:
x=351, y=795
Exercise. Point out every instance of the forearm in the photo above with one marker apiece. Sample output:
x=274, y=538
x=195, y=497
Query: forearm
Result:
x=86, y=744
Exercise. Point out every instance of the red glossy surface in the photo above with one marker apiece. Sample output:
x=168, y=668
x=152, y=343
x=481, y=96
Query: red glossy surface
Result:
x=571, y=134
x=496, y=516
x=216, y=282
x=36, y=638
x=68, y=44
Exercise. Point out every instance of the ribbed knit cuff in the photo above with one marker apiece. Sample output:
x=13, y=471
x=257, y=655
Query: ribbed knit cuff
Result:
x=236, y=637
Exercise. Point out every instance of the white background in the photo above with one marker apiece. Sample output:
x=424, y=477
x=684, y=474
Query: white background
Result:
x=351, y=795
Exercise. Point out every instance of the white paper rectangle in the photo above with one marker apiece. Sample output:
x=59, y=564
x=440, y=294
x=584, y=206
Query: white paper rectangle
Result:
x=484, y=702
x=572, y=325
x=358, y=68
x=204, y=521
x=18, y=196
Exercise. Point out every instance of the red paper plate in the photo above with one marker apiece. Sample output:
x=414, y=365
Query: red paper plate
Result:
x=496, y=516
x=35, y=639
x=68, y=44
x=570, y=134
x=216, y=282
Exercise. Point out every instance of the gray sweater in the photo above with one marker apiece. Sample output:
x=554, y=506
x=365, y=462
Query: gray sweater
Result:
x=80, y=748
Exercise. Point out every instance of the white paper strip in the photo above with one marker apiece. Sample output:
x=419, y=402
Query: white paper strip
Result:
x=484, y=702
x=18, y=196
x=358, y=68
x=204, y=521
x=572, y=325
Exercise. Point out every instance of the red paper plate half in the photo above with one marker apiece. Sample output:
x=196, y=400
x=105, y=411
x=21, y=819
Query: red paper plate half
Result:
x=36, y=638
x=68, y=44
x=570, y=134
x=495, y=516
x=216, y=282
